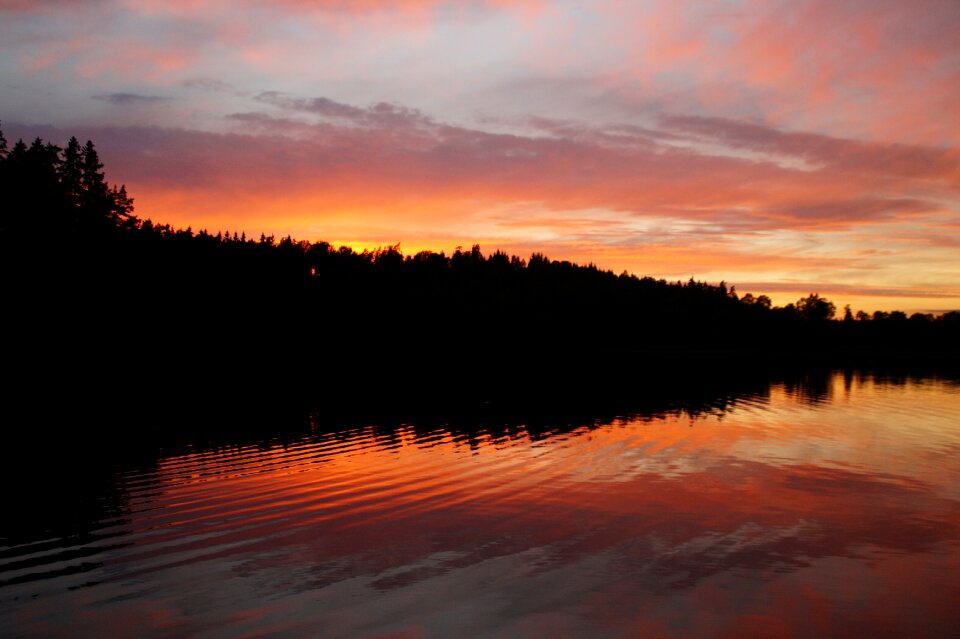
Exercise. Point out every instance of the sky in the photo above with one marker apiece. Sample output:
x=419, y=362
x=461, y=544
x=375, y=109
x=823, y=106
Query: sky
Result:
x=784, y=147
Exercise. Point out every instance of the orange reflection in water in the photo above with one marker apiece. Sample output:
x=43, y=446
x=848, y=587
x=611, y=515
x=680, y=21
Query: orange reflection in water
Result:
x=780, y=514
x=826, y=510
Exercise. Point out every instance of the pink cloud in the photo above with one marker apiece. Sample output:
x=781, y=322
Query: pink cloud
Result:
x=884, y=70
x=395, y=150
x=848, y=60
x=941, y=164
x=190, y=7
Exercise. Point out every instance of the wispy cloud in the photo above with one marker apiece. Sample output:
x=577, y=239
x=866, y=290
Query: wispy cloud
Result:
x=212, y=84
x=381, y=114
x=320, y=106
x=126, y=99
x=822, y=151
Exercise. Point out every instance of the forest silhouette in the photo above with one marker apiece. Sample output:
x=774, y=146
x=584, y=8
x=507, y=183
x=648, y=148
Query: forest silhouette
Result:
x=104, y=307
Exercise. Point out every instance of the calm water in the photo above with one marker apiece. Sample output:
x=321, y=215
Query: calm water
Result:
x=794, y=511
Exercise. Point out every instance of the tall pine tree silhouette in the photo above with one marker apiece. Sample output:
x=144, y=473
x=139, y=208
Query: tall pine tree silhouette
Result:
x=71, y=171
x=95, y=194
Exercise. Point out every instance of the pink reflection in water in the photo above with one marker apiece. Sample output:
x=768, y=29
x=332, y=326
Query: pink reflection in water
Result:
x=780, y=517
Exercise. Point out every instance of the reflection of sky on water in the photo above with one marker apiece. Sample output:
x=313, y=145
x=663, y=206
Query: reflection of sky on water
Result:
x=838, y=516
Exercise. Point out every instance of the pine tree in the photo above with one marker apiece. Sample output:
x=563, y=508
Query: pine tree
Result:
x=92, y=178
x=19, y=151
x=71, y=171
x=122, y=212
x=95, y=200
x=42, y=181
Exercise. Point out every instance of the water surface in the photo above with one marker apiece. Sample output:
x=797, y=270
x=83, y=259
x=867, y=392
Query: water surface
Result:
x=823, y=509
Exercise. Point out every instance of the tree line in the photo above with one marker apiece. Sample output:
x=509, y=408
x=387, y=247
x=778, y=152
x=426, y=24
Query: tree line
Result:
x=86, y=281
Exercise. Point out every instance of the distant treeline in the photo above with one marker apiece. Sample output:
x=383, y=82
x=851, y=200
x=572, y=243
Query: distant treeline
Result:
x=87, y=283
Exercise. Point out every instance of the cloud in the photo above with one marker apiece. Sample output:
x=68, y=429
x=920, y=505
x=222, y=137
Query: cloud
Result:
x=320, y=106
x=369, y=6
x=212, y=84
x=125, y=99
x=381, y=114
x=32, y=6
x=303, y=7
x=888, y=73
x=397, y=151
x=823, y=151
x=386, y=157
x=863, y=208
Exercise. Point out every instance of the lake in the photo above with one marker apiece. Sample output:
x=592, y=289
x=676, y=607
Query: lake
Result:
x=825, y=506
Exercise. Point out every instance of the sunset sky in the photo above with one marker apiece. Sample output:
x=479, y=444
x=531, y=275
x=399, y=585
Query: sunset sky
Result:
x=784, y=147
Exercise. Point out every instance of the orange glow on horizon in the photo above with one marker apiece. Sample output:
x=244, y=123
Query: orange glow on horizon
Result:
x=415, y=227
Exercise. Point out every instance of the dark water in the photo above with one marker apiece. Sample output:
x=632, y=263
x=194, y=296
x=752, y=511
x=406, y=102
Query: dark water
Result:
x=825, y=511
